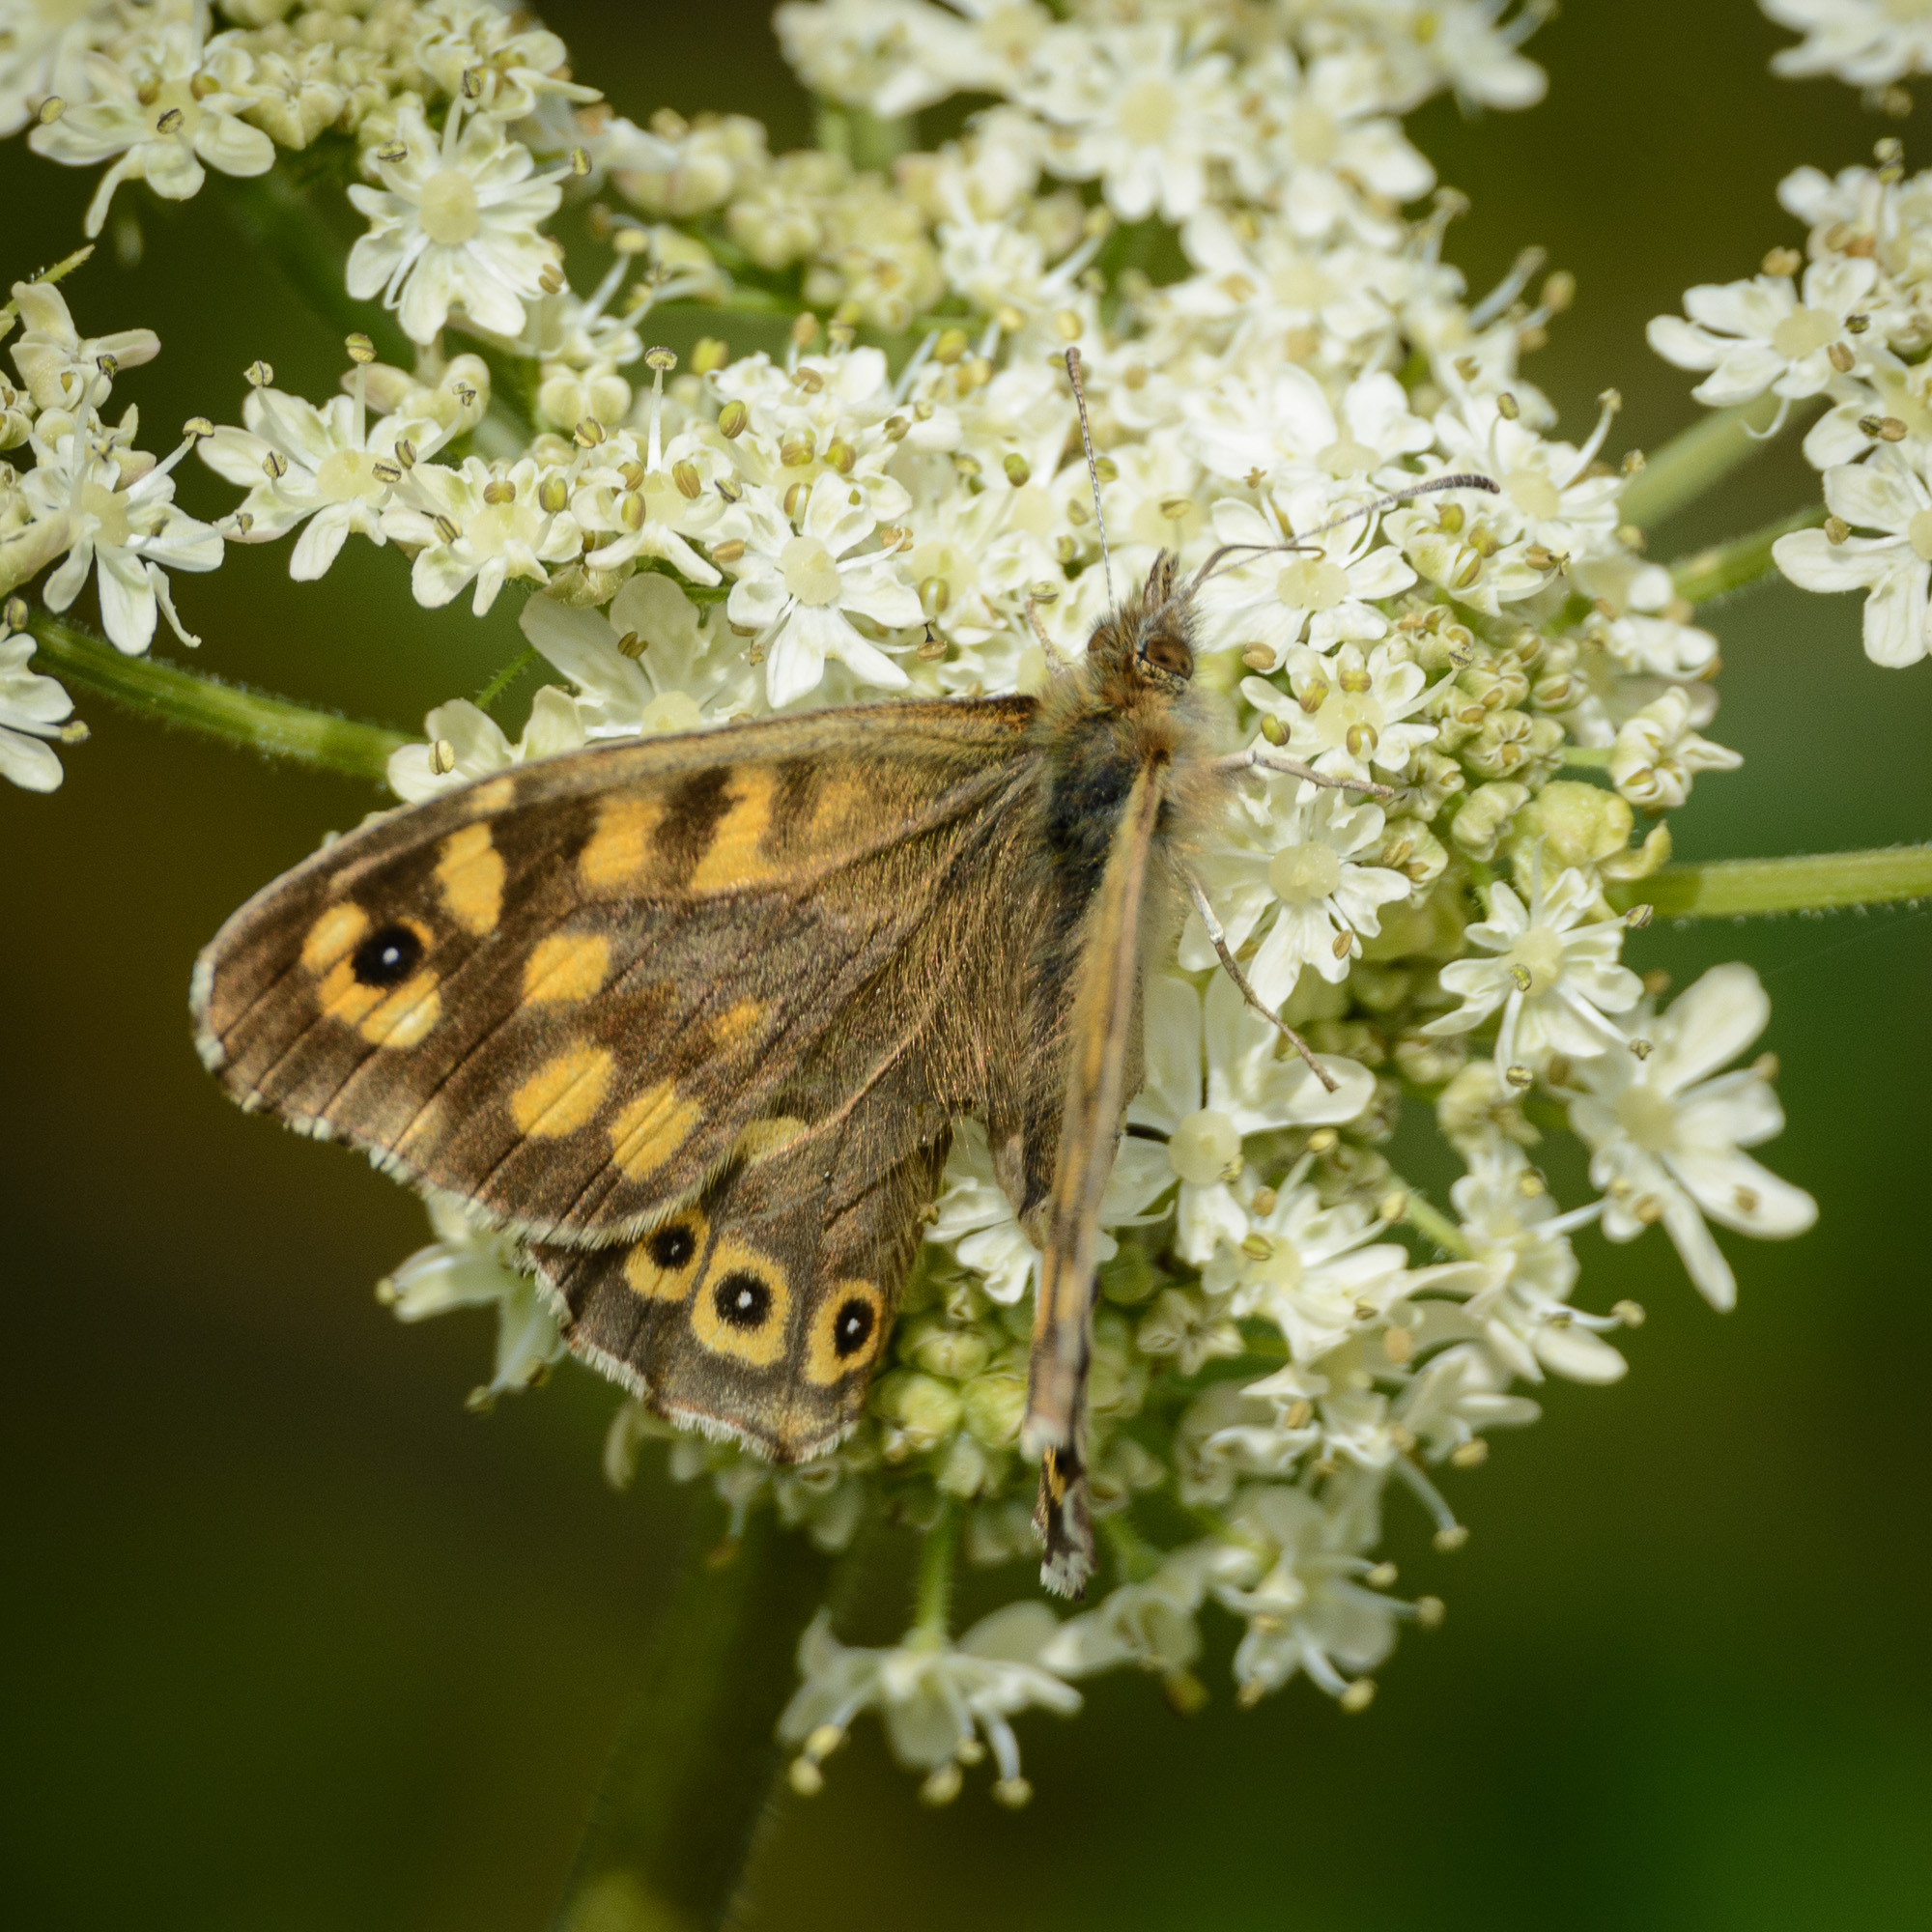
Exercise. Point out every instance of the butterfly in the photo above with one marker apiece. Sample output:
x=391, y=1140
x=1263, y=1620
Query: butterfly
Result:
x=691, y=1018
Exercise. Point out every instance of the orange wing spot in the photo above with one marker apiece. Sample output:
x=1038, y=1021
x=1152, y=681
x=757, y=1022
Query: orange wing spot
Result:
x=563, y=1094
x=736, y=1025
x=406, y=1016
x=763, y=1139
x=620, y=846
x=664, y=1264
x=345, y=998
x=844, y=802
x=734, y=857
x=333, y=936
x=846, y=1332
x=566, y=966
x=470, y=872
x=495, y=796
x=649, y=1129
x=743, y=1305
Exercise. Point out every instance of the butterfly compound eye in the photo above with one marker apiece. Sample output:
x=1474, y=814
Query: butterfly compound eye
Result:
x=387, y=957
x=1165, y=652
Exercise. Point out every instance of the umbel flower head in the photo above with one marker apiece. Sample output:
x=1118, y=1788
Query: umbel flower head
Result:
x=1554, y=976
x=1668, y=1136
x=454, y=225
x=1455, y=701
x=937, y=1699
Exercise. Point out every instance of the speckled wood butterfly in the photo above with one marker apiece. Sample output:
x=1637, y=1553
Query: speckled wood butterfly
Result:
x=691, y=1017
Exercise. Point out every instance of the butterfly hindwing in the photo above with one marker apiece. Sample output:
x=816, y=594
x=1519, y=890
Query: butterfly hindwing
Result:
x=568, y=992
x=757, y=1311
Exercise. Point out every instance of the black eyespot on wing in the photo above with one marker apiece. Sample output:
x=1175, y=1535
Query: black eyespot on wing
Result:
x=741, y=1299
x=670, y=1248
x=852, y=1327
x=387, y=957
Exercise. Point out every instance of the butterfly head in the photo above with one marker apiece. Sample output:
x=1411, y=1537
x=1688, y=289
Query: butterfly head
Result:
x=1149, y=642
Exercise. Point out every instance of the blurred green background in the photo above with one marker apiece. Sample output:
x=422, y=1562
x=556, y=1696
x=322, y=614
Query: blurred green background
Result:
x=291, y=1641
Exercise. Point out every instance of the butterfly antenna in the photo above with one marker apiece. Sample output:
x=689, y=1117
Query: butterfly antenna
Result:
x=1094, y=469
x=1374, y=509
x=1397, y=496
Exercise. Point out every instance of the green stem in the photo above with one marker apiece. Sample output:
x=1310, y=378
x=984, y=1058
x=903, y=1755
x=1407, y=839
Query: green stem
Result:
x=256, y=721
x=1428, y=1220
x=505, y=678
x=58, y=273
x=1696, y=458
x=1739, y=887
x=1726, y=568
x=934, y=1608
x=697, y=1759
x=1135, y=1556
x=862, y=137
x=279, y=216
x=743, y=299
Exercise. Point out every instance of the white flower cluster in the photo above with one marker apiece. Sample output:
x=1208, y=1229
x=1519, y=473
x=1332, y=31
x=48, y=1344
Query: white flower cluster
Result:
x=1148, y=99
x=1842, y=327
x=1288, y=1328
x=86, y=500
x=1873, y=43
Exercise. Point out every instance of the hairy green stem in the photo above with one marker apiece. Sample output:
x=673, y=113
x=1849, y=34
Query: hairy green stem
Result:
x=1696, y=458
x=256, y=721
x=1726, y=568
x=697, y=1759
x=1741, y=888
x=10, y=313
x=506, y=677
x=932, y=1614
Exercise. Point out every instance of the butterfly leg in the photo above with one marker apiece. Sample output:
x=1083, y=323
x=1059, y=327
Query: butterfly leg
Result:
x=1218, y=939
x=1037, y=628
x=1064, y=1521
x=1256, y=759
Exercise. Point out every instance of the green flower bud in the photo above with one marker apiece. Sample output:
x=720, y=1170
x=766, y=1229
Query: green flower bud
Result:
x=992, y=1407
x=1577, y=824
x=925, y=1409
x=1485, y=815
x=956, y=1353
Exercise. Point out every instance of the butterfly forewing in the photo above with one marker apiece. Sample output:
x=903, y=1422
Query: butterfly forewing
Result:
x=569, y=994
